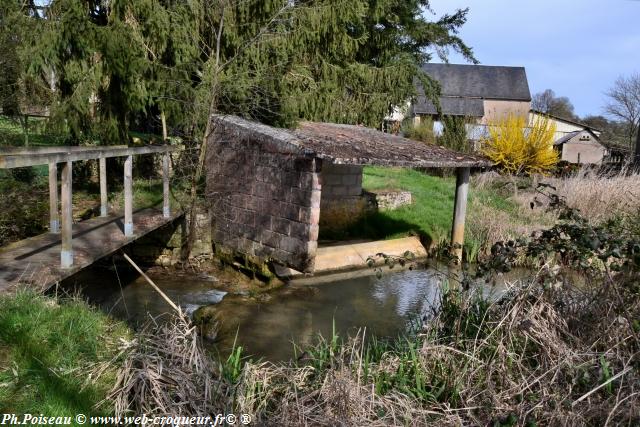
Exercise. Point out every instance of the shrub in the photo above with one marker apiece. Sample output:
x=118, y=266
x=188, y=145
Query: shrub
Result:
x=454, y=135
x=518, y=149
x=422, y=131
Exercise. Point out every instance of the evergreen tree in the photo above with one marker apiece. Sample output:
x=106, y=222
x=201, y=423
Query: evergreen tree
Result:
x=276, y=61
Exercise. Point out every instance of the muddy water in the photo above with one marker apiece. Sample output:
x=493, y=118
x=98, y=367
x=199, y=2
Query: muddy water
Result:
x=266, y=324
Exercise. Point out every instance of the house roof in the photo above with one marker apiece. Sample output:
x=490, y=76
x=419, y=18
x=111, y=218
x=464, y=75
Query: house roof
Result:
x=467, y=107
x=346, y=144
x=480, y=81
x=568, y=137
x=562, y=119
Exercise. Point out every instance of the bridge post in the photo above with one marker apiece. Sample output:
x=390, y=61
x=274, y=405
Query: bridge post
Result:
x=103, y=186
x=66, y=255
x=166, y=210
x=54, y=217
x=460, y=211
x=128, y=196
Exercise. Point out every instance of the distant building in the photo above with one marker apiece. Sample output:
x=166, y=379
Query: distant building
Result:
x=563, y=126
x=480, y=93
x=581, y=147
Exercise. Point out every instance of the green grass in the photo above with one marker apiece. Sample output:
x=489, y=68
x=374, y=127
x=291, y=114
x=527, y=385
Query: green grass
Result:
x=430, y=214
x=48, y=348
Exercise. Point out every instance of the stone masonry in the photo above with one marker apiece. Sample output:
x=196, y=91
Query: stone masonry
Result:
x=264, y=199
x=265, y=186
x=341, y=204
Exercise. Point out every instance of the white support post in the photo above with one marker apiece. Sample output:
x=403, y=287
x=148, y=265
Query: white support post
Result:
x=460, y=211
x=166, y=209
x=128, y=196
x=103, y=187
x=66, y=254
x=54, y=217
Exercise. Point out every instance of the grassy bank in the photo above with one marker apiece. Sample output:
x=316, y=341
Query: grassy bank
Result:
x=493, y=214
x=500, y=208
x=51, y=355
x=550, y=351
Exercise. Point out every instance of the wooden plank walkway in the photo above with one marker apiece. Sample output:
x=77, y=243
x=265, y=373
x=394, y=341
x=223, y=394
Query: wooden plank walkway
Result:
x=36, y=261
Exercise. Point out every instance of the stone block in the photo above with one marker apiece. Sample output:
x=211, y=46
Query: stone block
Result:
x=353, y=190
x=270, y=238
x=246, y=217
x=314, y=230
x=349, y=180
x=263, y=221
x=291, y=244
x=300, y=230
x=281, y=225
x=304, y=215
x=300, y=197
x=289, y=211
x=331, y=179
x=315, y=198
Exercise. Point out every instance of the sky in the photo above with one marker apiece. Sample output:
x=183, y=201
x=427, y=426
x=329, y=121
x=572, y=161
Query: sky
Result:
x=577, y=48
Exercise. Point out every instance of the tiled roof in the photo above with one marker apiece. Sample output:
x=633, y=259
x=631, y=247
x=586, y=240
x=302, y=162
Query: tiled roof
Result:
x=347, y=144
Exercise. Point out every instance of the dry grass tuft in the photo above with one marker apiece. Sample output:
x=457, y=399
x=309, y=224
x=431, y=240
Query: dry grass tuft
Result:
x=551, y=355
x=167, y=372
x=599, y=197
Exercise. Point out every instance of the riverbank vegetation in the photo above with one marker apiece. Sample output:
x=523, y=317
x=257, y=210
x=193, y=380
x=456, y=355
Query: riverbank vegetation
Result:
x=58, y=356
x=501, y=207
x=553, y=350
x=560, y=347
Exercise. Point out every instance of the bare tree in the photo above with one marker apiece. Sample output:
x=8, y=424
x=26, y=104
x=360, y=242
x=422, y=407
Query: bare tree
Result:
x=624, y=104
x=548, y=103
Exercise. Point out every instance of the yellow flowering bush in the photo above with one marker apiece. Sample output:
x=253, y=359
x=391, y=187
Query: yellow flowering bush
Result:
x=517, y=148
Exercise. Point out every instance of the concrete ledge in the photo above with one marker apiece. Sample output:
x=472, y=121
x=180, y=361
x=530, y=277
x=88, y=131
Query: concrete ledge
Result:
x=349, y=257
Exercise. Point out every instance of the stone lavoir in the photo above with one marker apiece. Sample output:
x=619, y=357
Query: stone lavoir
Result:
x=270, y=190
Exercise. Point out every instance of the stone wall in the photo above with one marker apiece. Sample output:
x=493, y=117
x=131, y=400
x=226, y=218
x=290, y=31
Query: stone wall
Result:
x=264, y=199
x=342, y=203
x=388, y=199
x=165, y=245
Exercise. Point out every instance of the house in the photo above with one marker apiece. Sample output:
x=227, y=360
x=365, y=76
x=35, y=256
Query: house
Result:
x=563, y=126
x=481, y=93
x=581, y=147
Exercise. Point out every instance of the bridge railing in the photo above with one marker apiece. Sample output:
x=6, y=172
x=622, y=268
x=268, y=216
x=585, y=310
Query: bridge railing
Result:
x=62, y=222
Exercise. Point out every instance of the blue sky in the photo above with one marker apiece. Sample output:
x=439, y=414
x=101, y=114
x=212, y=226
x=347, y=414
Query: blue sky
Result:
x=575, y=47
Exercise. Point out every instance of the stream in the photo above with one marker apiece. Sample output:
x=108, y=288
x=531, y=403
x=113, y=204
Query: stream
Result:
x=267, y=324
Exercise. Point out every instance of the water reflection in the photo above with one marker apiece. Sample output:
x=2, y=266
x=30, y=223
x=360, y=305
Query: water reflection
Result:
x=297, y=315
x=267, y=326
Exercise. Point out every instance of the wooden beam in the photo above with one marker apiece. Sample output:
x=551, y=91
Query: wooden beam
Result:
x=35, y=151
x=460, y=211
x=128, y=196
x=9, y=160
x=54, y=217
x=166, y=209
x=66, y=254
x=103, y=187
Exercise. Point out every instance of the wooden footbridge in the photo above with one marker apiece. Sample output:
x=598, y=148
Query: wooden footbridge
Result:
x=44, y=260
